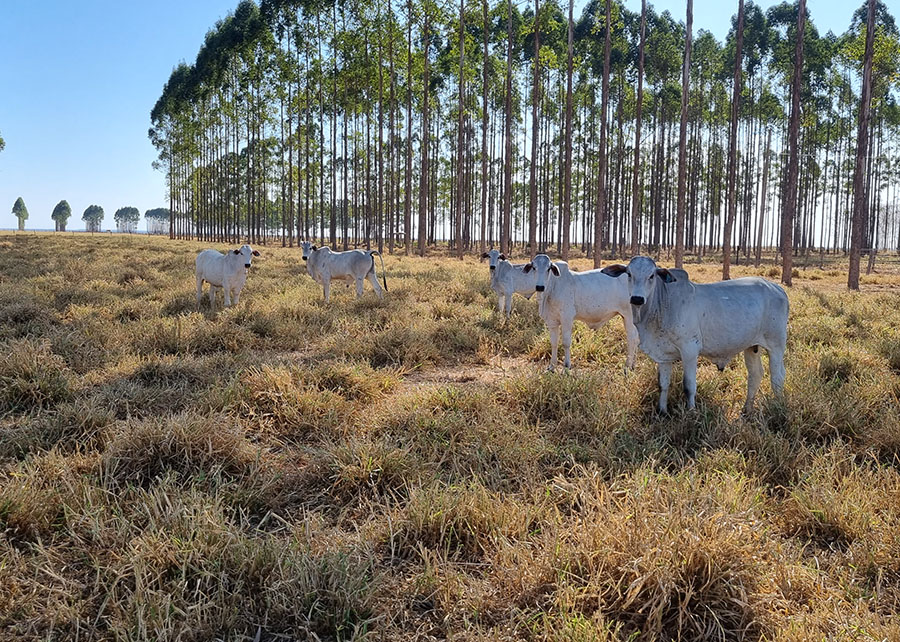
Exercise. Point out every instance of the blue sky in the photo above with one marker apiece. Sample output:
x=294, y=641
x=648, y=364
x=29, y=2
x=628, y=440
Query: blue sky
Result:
x=78, y=80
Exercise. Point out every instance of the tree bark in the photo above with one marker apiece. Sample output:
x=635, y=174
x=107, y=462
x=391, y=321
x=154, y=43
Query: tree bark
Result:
x=682, y=141
x=601, y=174
x=865, y=114
x=790, y=200
x=732, y=147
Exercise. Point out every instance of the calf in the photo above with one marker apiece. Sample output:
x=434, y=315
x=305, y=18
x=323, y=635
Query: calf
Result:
x=227, y=272
x=679, y=321
x=508, y=278
x=592, y=297
x=323, y=265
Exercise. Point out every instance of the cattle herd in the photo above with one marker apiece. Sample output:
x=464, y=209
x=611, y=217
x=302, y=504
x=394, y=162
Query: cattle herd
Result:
x=668, y=316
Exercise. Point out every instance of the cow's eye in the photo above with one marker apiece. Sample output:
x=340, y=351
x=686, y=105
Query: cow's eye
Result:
x=651, y=277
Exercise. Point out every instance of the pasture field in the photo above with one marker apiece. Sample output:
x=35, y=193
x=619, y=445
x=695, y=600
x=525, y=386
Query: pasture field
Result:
x=405, y=470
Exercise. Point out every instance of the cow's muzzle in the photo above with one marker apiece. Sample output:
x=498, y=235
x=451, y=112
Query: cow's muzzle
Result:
x=493, y=267
x=305, y=258
x=539, y=288
x=247, y=265
x=637, y=300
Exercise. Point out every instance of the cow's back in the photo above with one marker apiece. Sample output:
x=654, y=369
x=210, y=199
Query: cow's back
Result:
x=210, y=265
x=737, y=314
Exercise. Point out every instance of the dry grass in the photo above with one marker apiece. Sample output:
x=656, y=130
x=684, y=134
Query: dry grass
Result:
x=405, y=470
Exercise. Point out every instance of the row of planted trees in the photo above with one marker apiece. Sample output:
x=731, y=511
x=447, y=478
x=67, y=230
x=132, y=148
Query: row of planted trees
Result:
x=126, y=218
x=481, y=123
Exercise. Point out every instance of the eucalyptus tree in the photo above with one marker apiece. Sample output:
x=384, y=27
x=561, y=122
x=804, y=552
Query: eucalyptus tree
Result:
x=2, y=143
x=127, y=218
x=601, y=174
x=92, y=216
x=157, y=220
x=732, y=146
x=862, y=140
x=682, y=140
x=20, y=212
x=61, y=214
x=636, y=190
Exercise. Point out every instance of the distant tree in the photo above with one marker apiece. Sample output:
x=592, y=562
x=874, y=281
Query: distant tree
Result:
x=92, y=217
x=21, y=212
x=127, y=219
x=158, y=220
x=61, y=214
x=2, y=143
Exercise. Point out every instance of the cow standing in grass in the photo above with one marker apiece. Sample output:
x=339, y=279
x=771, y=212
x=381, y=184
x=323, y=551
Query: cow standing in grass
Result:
x=592, y=297
x=324, y=265
x=680, y=321
x=508, y=278
x=226, y=272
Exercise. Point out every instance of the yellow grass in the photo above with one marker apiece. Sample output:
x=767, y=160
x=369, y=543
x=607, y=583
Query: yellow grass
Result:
x=405, y=470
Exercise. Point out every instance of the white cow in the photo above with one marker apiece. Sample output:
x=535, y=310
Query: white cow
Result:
x=679, y=321
x=591, y=297
x=324, y=265
x=227, y=272
x=508, y=278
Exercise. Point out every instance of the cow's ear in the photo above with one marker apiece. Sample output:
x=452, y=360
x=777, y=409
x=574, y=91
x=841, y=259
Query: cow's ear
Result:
x=485, y=255
x=528, y=268
x=313, y=248
x=502, y=257
x=554, y=269
x=665, y=275
x=255, y=252
x=237, y=251
x=616, y=270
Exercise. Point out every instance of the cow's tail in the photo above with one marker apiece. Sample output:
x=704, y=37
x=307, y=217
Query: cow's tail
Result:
x=383, y=273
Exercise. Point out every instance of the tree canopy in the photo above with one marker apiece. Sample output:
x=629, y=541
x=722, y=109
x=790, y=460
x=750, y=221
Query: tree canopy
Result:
x=61, y=214
x=93, y=215
x=21, y=212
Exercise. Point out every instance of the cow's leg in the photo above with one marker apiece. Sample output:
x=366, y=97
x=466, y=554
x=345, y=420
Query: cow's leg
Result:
x=665, y=378
x=359, y=288
x=227, y=288
x=753, y=360
x=567, y=340
x=554, y=344
x=235, y=297
x=689, y=378
x=776, y=369
x=633, y=339
x=509, y=301
x=326, y=289
x=200, y=291
x=373, y=278
x=213, y=290
x=501, y=303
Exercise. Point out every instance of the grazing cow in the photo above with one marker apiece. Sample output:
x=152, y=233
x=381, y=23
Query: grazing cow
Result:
x=591, y=297
x=227, y=272
x=324, y=264
x=679, y=321
x=507, y=278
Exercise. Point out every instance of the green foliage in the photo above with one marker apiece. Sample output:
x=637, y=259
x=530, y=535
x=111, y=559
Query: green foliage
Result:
x=61, y=214
x=127, y=218
x=92, y=216
x=21, y=212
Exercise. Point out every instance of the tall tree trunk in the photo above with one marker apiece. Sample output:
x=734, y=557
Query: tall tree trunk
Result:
x=567, y=145
x=535, y=133
x=865, y=114
x=790, y=197
x=484, y=129
x=763, y=201
x=636, y=190
x=505, y=225
x=682, y=141
x=426, y=134
x=407, y=192
x=732, y=147
x=601, y=174
x=460, y=145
